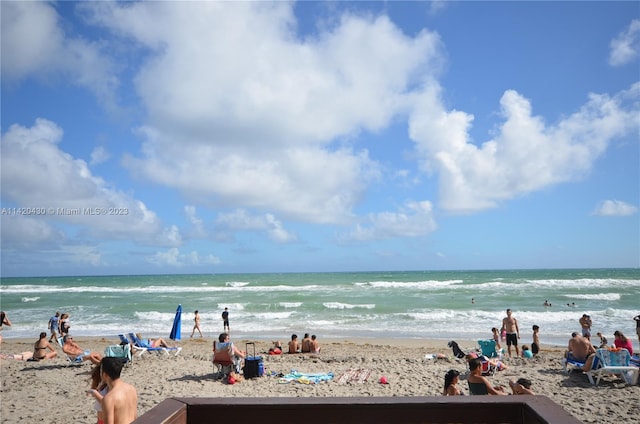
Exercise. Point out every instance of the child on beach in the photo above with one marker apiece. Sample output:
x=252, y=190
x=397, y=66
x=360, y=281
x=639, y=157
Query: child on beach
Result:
x=496, y=337
x=535, y=346
x=603, y=341
x=526, y=353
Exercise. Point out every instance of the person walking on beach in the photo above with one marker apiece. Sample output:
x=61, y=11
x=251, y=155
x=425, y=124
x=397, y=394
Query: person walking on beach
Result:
x=637, y=320
x=585, y=323
x=64, y=325
x=510, y=326
x=225, y=320
x=120, y=404
x=196, y=324
x=53, y=325
x=496, y=337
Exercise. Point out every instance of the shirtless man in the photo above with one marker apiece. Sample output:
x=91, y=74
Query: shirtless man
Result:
x=294, y=345
x=120, y=404
x=581, y=349
x=510, y=325
x=306, y=343
x=585, y=323
x=74, y=352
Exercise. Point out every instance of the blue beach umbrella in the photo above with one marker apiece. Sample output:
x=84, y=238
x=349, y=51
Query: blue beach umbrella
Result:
x=177, y=324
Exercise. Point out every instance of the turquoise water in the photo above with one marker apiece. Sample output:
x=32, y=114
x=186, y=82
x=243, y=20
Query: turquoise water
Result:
x=429, y=304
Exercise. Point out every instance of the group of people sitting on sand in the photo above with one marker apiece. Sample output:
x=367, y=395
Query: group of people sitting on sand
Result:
x=309, y=344
x=43, y=349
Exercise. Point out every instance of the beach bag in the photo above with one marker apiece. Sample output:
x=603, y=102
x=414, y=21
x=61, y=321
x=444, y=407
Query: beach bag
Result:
x=253, y=365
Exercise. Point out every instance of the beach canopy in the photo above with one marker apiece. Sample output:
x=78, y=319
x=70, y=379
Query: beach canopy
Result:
x=177, y=325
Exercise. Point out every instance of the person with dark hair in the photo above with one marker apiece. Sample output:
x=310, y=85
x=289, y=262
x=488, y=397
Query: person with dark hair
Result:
x=98, y=390
x=306, y=343
x=315, y=346
x=535, y=345
x=637, y=320
x=120, y=404
x=40, y=349
x=225, y=320
x=196, y=324
x=585, y=324
x=521, y=387
x=479, y=384
x=580, y=349
x=510, y=326
x=53, y=325
x=294, y=345
x=451, y=379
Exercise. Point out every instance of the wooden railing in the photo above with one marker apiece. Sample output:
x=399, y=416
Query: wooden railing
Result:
x=356, y=410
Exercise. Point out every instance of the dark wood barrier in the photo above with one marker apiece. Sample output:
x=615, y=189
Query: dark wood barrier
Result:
x=356, y=410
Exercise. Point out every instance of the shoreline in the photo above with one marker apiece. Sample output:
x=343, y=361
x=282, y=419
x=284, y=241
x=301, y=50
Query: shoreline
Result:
x=190, y=374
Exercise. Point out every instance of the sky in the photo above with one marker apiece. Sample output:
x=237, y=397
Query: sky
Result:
x=242, y=137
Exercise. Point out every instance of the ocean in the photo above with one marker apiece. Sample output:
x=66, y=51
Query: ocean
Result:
x=346, y=305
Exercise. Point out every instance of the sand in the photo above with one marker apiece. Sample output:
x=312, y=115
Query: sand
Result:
x=53, y=391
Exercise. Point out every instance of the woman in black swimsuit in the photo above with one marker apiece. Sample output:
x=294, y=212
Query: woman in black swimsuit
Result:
x=40, y=349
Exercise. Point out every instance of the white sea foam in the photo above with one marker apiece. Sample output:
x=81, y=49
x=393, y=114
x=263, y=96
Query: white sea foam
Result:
x=290, y=304
x=30, y=299
x=236, y=284
x=339, y=305
x=596, y=296
x=419, y=285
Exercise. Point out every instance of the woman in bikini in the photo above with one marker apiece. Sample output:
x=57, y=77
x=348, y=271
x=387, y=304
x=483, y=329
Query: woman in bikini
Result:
x=40, y=349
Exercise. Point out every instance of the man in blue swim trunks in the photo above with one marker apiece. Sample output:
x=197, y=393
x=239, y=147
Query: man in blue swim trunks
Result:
x=510, y=326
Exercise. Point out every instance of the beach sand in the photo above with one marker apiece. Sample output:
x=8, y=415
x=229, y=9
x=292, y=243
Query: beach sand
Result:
x=53, y=391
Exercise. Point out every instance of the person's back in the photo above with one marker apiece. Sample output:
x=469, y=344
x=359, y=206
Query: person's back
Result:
x=120, y=404
x=306, y=344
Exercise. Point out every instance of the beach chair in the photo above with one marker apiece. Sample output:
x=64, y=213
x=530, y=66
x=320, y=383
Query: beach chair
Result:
x=613, y=362
x=146, y=347
x=122, y=351
x=136, y=349
x=570, y=363
x=489, y=348
x=75, y=361
x=223, y=361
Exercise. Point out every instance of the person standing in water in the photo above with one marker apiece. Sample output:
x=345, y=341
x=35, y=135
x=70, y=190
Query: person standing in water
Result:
x=225, y=320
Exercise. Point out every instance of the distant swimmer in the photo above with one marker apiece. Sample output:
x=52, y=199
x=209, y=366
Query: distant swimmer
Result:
x=546, y=304
x=572, y=305
x=473, y=300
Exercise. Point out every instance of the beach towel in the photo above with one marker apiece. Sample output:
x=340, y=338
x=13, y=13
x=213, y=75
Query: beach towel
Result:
x=359, y=375
x=305, y=378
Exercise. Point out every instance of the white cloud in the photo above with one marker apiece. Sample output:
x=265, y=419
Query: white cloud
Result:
x=36, y=173
x=241, y=220
x=99, y=155
x=526, y=154
x=413, y=220
x=35, y=45
x=172, y=257
x=615, y=208
x=626, y=46
x=265, y=120
x=197, y=229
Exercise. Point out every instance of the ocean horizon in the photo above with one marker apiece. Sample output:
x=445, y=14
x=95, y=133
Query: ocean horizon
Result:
x=337, y=305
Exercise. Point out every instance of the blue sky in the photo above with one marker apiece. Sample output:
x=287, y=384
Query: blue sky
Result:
x=211, y=137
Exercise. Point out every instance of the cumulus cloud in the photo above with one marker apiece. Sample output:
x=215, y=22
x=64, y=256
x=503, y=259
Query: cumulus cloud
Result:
x=37, y=173
x=35, y=45
x=172, y=257
x=615, y=208
x=414, y=219
x=241, y=220
x=266, y=120
x=526, y=154
x=626, y=46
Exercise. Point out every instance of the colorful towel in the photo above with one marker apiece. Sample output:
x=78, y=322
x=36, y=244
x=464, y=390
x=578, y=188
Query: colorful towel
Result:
x=359, y=375
x=305, y=378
